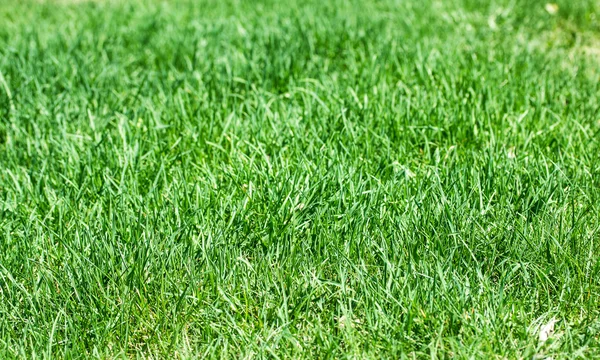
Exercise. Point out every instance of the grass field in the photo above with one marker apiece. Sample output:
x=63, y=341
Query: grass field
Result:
x=299, y=179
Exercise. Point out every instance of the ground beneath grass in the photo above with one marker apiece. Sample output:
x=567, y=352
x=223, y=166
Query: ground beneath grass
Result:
x=301, y=179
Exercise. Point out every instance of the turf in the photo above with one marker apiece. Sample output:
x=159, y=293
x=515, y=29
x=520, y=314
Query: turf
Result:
x=299, y=179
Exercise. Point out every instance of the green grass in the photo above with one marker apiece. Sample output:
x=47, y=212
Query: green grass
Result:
x=305, y=179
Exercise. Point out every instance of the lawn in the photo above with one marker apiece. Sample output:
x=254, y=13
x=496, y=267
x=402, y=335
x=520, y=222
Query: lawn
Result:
x=299, y=179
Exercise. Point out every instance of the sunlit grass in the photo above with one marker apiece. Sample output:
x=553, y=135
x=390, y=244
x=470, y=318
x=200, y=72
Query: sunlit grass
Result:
x=317, y=179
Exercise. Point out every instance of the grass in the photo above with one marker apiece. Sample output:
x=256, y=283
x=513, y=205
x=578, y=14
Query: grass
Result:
x=301, y=179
